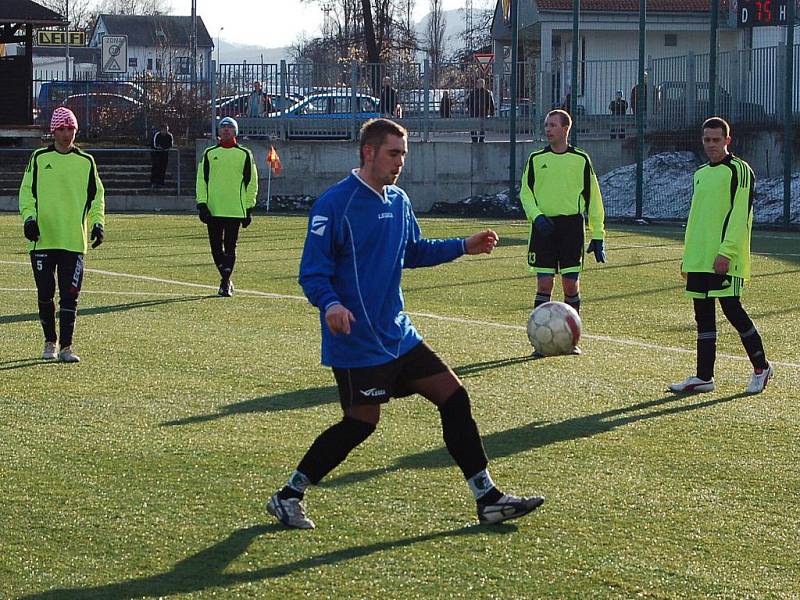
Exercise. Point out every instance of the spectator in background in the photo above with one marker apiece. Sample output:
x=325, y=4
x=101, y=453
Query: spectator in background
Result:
x=256, y=105
x=635, y=97
x=388, y=98
x=268, y=105
x=160, y=144
x=618, y=107
x=481, y=105
x=445, y=105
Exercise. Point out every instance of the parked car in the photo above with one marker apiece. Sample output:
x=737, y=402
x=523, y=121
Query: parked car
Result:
x=327, y=115
x=671, y=103
x=107, y=112
x=232, y=106
x=525, y=108
x=54, y=93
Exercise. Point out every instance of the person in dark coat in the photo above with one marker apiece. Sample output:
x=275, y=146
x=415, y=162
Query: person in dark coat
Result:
x=481, y=105
x=445, y=105
x=160, y=146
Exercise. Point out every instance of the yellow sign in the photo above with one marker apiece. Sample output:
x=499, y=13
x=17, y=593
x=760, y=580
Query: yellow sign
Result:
x=59, y=38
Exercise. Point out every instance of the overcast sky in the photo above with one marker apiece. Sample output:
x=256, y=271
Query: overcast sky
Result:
x=261, y=22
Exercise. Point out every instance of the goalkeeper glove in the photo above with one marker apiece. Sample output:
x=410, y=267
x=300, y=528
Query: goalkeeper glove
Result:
x=599, y=249
x=544, y=226
x=205, y=214
x=98, y=235
x=248, y=218
x=31, y=229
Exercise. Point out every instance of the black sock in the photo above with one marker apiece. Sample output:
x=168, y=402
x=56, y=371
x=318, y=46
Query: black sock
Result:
x=704, y=315
x=332, y=446
x=491, y=496
x=574, y=301
x=751, y=339
x=289, y=492
x=540, y=299
x=461, y=435
x=47, y=317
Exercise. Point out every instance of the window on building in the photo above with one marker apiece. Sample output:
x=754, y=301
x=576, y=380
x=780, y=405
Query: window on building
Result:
x=671, y=39
x=133, y=62
x=149, y=64
x=158, y=65
x=183, y=65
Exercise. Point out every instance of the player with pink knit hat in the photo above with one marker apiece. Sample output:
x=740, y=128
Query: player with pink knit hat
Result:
x=63, y=117
x=60, y=196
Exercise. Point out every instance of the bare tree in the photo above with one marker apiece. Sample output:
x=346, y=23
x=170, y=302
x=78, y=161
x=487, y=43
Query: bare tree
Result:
x=134, y=7
x=80, y=14
x=434, y=41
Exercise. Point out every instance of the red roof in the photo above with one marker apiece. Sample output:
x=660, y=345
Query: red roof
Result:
x=701, y=6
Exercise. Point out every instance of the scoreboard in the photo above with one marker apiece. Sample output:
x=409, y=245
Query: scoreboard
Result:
x=760, y=13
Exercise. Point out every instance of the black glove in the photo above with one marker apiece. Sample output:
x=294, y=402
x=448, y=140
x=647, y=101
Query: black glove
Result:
x=544, y=226
x=98, y=235
x=599, y=249
x=205, y=214
x=31, y=229
x=248, y=218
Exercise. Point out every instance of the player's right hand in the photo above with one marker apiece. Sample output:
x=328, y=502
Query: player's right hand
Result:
x=338, y=319
x=31, y=229
x=205, y=214
x=544, y=226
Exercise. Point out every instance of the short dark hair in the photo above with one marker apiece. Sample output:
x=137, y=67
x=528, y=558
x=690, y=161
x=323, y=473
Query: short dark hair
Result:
x=717, y=123
x=566, y=120
x=374, y=132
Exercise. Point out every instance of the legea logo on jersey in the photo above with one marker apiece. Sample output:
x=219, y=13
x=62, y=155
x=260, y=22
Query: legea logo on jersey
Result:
x=318, y=224
x=373, y=392
x=385, y=215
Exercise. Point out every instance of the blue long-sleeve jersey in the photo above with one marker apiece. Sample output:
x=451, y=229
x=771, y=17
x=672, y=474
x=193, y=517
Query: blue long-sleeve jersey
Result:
x=358, y=243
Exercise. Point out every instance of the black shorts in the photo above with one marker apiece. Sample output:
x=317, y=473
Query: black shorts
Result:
x=376, y=385
x=560, y=252
x=711, y=285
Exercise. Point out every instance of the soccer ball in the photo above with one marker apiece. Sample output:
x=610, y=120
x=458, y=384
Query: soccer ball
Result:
x=554, y=328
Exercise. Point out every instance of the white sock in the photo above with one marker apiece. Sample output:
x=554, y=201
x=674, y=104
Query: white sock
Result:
x=480, y=483
x=299, y=482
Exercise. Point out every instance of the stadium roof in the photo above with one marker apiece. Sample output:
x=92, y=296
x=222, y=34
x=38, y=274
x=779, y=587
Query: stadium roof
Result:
x=25, y=11
x=144, y=30
x=695, y=6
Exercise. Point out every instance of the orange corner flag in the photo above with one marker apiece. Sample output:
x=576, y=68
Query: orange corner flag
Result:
x=274, y=161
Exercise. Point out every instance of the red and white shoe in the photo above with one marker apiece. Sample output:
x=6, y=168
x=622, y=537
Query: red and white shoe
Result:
x=692, y=384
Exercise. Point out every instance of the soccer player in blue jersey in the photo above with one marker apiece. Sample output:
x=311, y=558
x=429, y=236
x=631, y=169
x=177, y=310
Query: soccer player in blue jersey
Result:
x=362, y=232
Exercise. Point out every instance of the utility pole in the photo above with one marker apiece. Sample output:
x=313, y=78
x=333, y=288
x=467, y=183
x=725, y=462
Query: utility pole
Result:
x=193, y=43
x=66, y=43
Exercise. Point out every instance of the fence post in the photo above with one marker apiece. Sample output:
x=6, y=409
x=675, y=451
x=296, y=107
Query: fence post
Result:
x=353, y=99
x=213, y=101
x=788, y=119
x=178, y=152
x=735, y=84
x=641, y=94
x=426, y=79
x=690, y=97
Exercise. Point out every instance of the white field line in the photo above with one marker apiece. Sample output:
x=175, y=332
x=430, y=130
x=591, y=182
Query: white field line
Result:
x=459, y=320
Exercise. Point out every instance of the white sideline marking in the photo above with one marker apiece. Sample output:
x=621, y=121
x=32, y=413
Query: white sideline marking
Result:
x=460, y=320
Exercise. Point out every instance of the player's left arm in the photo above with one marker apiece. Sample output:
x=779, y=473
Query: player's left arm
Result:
x=251, y=191
x=597, y=213
x=423, y=252
x=97, y=209
x=737, y=232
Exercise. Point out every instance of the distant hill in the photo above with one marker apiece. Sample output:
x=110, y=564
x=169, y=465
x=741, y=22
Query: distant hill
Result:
x=238, y=53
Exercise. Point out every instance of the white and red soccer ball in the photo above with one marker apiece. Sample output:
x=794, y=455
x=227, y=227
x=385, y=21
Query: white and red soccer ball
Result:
x=554, y=328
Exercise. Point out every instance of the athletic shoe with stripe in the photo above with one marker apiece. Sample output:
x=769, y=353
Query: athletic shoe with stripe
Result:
x=759, y=380
x=68, y=356
x=507, y=507
x=692, y=384
x=50, y=351
x=289, y=511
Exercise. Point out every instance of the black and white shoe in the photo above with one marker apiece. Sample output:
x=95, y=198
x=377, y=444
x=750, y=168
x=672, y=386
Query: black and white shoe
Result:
x=289, y=511
x=507, y=507
x=225, y=288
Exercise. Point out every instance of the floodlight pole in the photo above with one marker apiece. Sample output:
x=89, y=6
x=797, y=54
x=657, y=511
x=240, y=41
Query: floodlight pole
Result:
x=788, y=120
x=641, y=110
x=66, y=42
x=193, y=48
x=573, y=85
x=512, y=156
x=712, y=59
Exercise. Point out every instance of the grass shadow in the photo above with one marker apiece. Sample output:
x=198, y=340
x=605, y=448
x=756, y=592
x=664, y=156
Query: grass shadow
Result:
x=541, y=433
x=206, y=569
x=288, y=401
x=111, y=308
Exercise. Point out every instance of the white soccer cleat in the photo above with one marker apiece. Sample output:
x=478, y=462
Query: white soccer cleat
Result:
x=507, y=507
x=50, y=351
x=68, y=356
x=290, y=512
x=759, y=380
x=692, y=384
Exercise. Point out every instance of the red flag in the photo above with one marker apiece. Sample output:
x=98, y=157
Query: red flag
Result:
x=274, y=161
